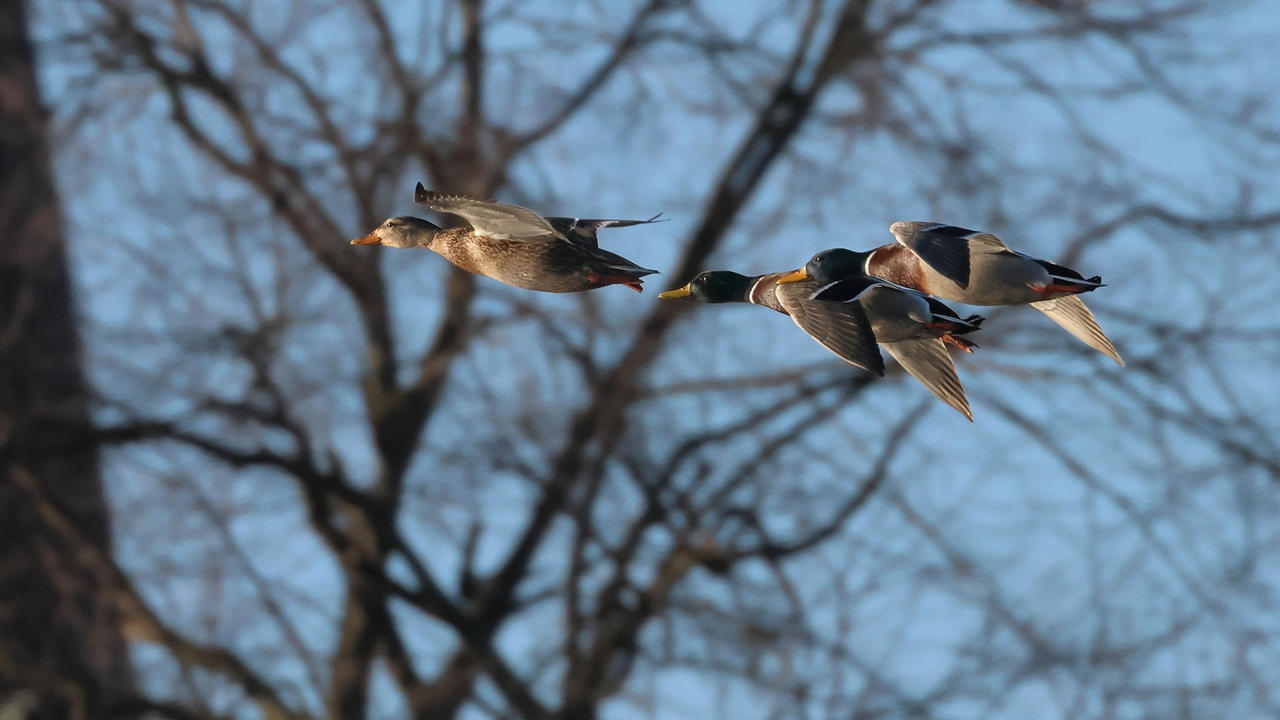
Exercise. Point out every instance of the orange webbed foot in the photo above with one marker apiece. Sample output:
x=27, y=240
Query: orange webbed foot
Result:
x=965, y=345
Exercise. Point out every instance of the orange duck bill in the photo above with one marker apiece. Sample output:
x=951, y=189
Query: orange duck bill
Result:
x=370, y=239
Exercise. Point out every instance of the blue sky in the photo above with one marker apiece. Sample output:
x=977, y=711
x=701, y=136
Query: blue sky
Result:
x=1117, y=516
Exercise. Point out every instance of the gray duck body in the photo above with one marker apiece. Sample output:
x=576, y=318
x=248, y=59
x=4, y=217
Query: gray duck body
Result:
x=977, y=268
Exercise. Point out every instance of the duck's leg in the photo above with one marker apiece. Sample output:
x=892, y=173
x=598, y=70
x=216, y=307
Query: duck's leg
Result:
x=965, y=345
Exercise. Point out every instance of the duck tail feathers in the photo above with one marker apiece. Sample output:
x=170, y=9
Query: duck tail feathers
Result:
x=1065, y=277
x=631, y=269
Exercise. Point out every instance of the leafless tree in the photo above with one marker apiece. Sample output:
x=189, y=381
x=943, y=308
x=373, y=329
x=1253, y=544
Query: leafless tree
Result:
x=364, y=483
x=59, y=639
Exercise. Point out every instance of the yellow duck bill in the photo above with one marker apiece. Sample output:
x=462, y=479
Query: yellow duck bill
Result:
x=795, y=277
x=682, y=292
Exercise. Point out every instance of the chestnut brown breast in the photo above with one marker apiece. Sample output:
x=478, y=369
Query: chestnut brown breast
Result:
x=897, y=264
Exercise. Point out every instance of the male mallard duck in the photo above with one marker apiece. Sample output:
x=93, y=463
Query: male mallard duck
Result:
x=514, y=245
x=977, y=268
x=850, y=316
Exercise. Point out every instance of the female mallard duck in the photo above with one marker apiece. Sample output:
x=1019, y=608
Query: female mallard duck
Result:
x=977, y=268
x=514, y=245
x=849, y=316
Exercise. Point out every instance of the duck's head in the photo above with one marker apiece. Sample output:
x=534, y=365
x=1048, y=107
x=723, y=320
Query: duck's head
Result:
x=714, y=286
x=829, y=266
x=403, y=231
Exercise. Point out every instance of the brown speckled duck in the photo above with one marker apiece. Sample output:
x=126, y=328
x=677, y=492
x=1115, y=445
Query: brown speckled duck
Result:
x=849, y=313
x=514, y=245
x=973, y=267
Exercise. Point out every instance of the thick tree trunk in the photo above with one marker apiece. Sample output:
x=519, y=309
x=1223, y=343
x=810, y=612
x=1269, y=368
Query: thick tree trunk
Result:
x=61, y=653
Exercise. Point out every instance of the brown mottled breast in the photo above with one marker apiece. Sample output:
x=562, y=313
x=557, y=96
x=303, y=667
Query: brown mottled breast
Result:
x=897, y=264
x=456, y=245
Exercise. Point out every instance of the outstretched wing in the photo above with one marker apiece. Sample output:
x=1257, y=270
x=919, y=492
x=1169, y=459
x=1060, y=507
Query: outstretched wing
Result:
x=945, y=248
x=1073, y=315
x=583, y=230
x=490, y=219
x=927, y=360
x=841, y=327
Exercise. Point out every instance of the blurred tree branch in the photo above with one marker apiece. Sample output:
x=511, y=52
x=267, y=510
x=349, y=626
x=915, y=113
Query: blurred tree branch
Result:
x=535, y=507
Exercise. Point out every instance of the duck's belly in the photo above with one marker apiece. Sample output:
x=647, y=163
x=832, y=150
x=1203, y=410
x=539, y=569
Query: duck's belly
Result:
x=530, y=265
x=996, y=279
